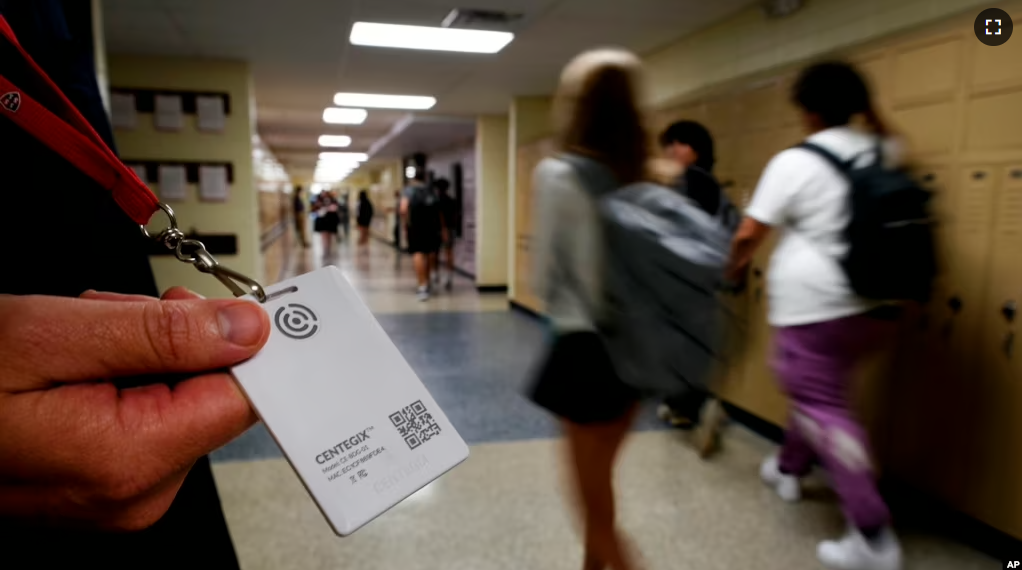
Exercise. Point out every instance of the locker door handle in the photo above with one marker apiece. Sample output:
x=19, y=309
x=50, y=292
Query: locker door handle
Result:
x=1009, y=310
x=1009, y=344
x=955, y=304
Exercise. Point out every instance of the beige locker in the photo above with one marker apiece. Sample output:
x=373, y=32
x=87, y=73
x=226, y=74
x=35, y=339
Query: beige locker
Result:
x=930, y=128
x=927, y=72
x=994, y=122
x=721, y=114
x=929, y=383
x=971, y=248
x=759, y=390
x=756, y=148
x=996, y=68
x=528, y=157
x=725, y=149
x=759, y=107
x=874, y=68
x=999, y=492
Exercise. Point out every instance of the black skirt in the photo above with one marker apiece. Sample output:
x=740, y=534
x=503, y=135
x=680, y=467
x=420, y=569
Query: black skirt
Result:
x=577, y=382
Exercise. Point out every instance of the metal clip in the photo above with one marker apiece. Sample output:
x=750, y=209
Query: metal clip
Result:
x=173, y=238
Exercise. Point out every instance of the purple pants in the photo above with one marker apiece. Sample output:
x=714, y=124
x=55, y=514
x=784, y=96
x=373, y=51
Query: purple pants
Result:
x=815, y=364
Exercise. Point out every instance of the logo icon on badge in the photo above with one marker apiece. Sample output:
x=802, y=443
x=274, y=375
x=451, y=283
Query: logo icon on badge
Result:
x=11, y=101
x=296, y=321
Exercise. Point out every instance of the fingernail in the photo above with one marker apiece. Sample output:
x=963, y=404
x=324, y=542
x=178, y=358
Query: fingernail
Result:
x=241, y=323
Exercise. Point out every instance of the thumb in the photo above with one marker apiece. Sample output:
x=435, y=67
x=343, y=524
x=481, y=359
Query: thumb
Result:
x=62, y=339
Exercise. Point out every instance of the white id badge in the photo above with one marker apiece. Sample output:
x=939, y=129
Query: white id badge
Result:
x=353, y=419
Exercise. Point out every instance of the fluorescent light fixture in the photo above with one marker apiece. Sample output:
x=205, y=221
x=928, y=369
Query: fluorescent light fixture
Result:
x=335, y=141
x=336, y=116
x=410, y=172
x=428, y=38
x=344, y=156
x=415, y=102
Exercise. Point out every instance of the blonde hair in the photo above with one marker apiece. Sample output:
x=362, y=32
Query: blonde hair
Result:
x=597, y=111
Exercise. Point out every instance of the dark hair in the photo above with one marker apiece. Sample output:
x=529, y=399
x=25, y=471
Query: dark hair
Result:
x=363, y=196
x=694, y=135
x=835, y=92
x=606, y=122
x=441, y=184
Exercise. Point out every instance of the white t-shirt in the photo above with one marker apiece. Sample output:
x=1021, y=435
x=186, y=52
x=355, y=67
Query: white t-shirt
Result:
x=806, y=197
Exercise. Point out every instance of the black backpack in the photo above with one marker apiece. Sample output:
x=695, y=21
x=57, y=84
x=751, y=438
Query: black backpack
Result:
x=424, y=209
x=892, y=250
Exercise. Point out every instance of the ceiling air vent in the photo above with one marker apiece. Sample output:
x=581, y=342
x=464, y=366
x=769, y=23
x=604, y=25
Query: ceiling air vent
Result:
x=480, y=19
x=780, y=8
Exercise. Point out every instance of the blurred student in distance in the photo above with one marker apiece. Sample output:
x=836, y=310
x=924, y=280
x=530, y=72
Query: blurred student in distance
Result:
x=420, y=209
x=449, y=220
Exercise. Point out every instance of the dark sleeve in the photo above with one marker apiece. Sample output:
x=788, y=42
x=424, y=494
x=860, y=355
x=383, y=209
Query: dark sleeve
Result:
x=703, y=189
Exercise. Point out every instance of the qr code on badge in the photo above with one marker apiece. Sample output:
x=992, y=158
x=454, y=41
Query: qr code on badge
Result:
x=415, y=424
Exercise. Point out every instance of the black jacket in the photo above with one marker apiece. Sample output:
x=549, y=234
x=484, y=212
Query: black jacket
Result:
x=63, y=235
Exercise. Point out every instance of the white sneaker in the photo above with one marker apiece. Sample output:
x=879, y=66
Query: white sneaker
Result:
x=855, y=552
x=423, y=294
x=788, y=487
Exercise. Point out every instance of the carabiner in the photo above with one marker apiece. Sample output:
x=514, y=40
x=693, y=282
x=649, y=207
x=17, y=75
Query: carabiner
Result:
x=206, y=263
x=173, y=238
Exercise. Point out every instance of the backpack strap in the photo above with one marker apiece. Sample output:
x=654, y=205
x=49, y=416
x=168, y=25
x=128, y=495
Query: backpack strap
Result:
x=842, y=166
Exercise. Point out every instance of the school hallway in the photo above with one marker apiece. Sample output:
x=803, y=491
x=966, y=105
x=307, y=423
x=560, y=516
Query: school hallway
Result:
x=507, y=506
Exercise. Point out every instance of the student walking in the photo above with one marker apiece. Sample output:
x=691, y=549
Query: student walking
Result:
x=327, y=221
x=299, y=211
x=822, y=327
x=365, y=217
x=448, y=232
x=599, y=119
x=421, y=211
x=689, y=146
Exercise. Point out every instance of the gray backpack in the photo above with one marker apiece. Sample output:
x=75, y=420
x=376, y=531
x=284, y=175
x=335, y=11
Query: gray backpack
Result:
x=664, y=257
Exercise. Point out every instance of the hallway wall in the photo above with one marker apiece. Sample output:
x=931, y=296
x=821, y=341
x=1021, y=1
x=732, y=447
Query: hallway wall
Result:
x=748, y=42
x=239, y=214
x=493, y=236
x=529, y=120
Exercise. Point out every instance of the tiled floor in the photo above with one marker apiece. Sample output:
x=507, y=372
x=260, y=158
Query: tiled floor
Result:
x=505, y=508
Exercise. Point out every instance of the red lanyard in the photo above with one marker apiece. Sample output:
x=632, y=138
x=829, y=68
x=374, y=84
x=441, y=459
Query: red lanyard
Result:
x=67, y=133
